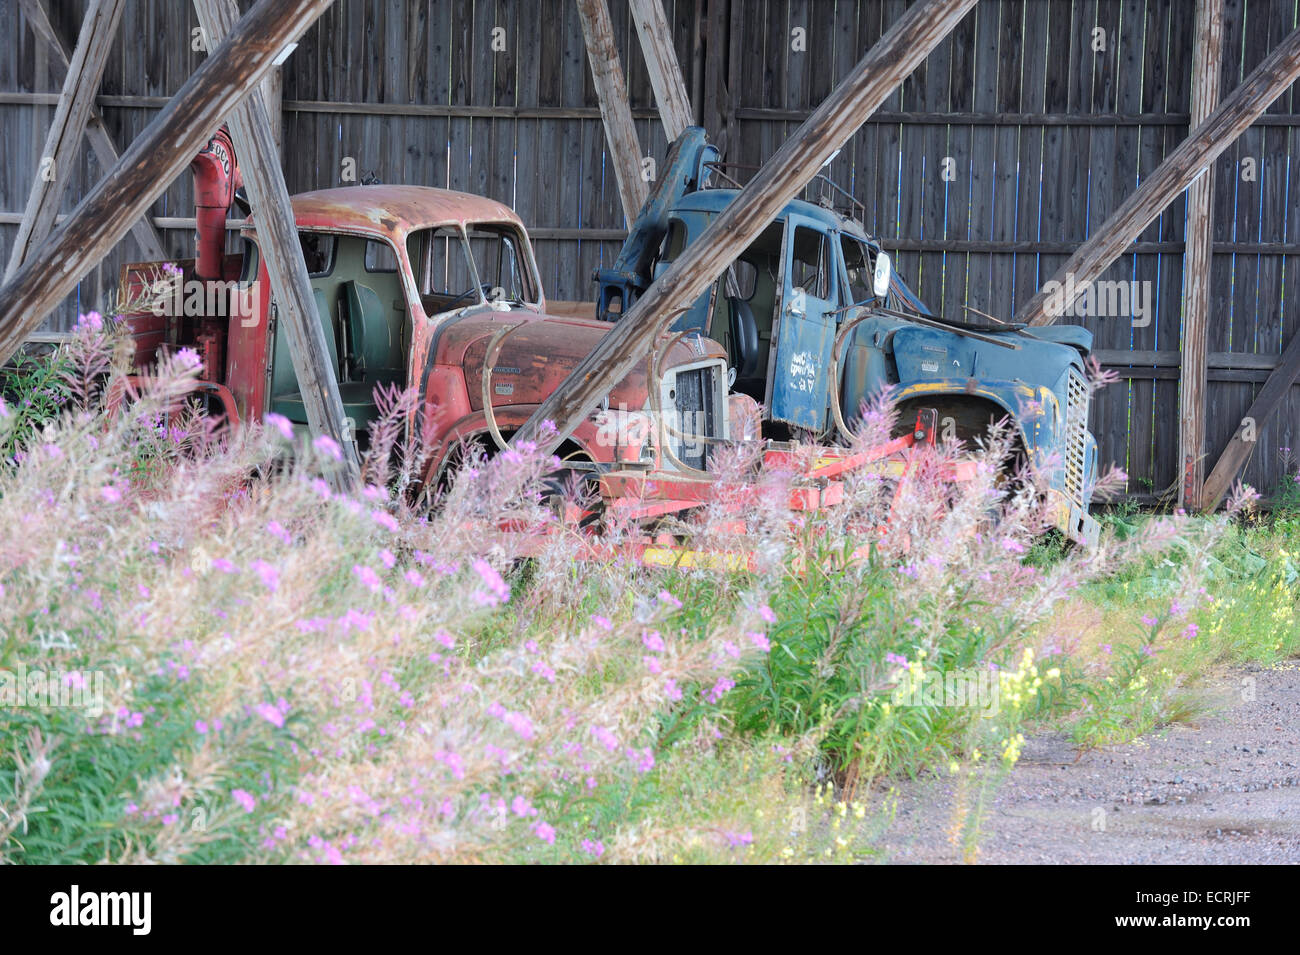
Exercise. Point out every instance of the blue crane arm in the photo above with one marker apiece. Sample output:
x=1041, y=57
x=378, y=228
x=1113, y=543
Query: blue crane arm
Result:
x=685, y=172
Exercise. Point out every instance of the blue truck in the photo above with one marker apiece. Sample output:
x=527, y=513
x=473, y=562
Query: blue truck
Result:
x=816, y=321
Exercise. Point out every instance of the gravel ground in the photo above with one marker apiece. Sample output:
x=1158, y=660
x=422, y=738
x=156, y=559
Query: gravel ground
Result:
x=1225, y=790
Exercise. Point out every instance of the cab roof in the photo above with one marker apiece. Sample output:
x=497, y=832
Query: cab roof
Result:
x=394, y=210
x=713, y=201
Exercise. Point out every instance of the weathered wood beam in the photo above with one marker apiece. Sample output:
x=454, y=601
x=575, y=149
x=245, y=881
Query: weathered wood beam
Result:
x=154, y=160
x=611, y=91
x=106, y=151
x=1206, y=55
x=900, y=51
x=273, y=97
x=1238, y=451
x=61, y=145
x=661, y=63
x=1193, y=156
x=277, y=240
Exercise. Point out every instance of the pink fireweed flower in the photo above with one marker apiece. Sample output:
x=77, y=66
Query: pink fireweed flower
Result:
x=445, y=638
x=1190, y=632
x=1013, y=546
x=414, y=578
x=388, y=558
x=201, y=727
x=520, y=723
x=369, y=579
x=270, y=713
x=653, y=641
x=546, y=832
x=1148, y=620
x=759, y=641
x=767, y=613
x=276, y=530
x=329, y=447
x=605, y=738
x=321, y=488
x=90, y=320
x=384, y=520
x=189, y=359
x=594, y=848
x=544, y=671
x=110, y=493
x=896, y=659
x=269, y=575
x=666, y=598
x=652, y=664
x=496, y=591
x=644, y=759
x=603, y=622
x=737, y=840
x=244, y=798
x=719, y=689
x=672, y=690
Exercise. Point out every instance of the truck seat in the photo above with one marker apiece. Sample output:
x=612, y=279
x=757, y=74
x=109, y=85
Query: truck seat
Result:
x=376, y=345
x=286, y=398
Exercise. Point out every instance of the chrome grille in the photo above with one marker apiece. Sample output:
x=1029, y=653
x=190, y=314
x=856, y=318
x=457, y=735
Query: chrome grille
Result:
x=1076, y=431
x=695, y=398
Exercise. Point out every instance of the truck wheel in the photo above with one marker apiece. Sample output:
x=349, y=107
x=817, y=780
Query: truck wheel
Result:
x=578, y=487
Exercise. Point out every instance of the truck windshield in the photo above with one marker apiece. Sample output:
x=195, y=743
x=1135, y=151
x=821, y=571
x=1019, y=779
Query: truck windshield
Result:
x=443, y=273
x=503, y=265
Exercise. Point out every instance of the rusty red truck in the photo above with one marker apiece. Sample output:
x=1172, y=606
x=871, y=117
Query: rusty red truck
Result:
x=412, y=287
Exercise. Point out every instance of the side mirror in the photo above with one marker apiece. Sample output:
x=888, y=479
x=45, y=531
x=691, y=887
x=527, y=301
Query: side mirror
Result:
x=884, y=274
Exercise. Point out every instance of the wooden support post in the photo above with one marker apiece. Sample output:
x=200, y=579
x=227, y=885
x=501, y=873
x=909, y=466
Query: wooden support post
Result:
x=61, y=145
x=661, y=63
x=277, y=240
x=160, y=154
x=611, y=90
x=900, y=51
x=106, y=151
x=273, y=97
x=1193, y=156
x=1208, y=40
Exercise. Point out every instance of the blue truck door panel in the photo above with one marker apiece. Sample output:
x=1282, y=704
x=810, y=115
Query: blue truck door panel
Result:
x=803, y=330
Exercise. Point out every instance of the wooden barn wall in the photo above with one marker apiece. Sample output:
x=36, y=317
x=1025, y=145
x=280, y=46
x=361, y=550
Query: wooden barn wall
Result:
x=984, y=170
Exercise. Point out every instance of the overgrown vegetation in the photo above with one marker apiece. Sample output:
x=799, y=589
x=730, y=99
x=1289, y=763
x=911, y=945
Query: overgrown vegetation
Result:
x=293, y=674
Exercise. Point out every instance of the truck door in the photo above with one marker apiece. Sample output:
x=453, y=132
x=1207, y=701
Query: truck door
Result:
x=803, y=331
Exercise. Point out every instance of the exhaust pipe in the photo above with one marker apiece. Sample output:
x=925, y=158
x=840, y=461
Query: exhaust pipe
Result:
x=216, y=177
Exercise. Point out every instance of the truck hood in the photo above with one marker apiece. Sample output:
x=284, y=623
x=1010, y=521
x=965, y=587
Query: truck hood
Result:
x=539, y=352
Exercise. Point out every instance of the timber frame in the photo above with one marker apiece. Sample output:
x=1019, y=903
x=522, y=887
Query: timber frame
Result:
x=46, y=238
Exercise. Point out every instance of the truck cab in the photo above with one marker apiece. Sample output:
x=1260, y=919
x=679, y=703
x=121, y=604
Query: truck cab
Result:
x=816, y=322
x=437, y=291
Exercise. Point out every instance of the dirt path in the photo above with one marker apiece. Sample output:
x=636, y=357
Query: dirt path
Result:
x=1226, y=790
